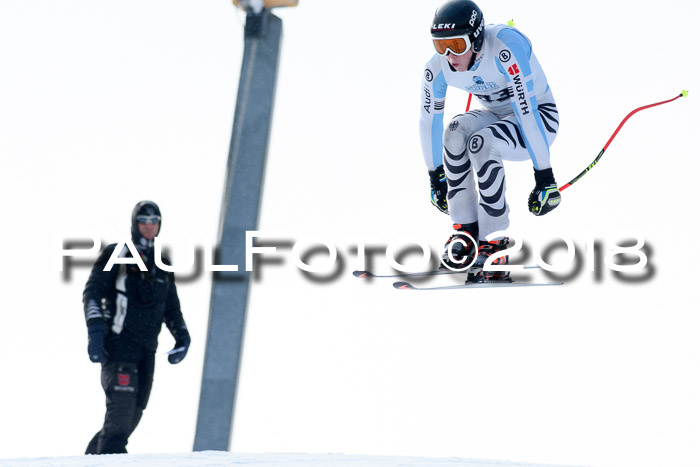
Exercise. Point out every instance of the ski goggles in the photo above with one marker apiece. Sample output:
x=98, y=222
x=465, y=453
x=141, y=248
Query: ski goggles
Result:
x=458, y=45
x=148, y=219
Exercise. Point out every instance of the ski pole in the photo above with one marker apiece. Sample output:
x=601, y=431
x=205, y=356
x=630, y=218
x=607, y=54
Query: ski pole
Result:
x=683, y=93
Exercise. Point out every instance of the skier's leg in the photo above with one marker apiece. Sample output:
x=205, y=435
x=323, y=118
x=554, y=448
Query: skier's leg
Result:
x=462, y=198
x=492, y=210
x=92, y=445
x=146, y=369
x=120, y=383
x=488, y=148
x=461, y=194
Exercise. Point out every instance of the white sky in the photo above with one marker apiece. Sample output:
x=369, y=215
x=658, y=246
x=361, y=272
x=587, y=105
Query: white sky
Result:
x=103, y=104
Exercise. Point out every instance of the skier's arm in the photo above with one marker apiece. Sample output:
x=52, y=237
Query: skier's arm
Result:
x=173, y=315
x=99, y=285
x=431, y=125
x=514, y=61
x=432, y=109
x=175, y=322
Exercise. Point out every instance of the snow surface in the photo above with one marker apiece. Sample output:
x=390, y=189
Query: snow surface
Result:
x=219, y=458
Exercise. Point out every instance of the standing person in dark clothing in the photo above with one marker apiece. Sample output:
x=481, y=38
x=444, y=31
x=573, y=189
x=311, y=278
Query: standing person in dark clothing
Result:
x=125, y=309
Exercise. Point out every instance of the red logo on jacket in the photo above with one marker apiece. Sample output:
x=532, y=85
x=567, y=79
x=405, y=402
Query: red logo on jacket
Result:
x=513, y=70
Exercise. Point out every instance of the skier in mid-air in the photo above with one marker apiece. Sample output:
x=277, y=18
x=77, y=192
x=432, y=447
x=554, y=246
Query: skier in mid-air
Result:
x=519, y=122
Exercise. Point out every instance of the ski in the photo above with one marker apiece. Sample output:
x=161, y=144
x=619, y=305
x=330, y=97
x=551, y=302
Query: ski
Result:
x=435, y=272
x=475, y=285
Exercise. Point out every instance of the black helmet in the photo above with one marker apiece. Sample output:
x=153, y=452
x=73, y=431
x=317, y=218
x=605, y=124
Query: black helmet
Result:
x=459, y=18
x=143, y=208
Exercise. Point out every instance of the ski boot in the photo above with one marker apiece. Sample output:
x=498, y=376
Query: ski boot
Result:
x=486, y=249
x=460, y=248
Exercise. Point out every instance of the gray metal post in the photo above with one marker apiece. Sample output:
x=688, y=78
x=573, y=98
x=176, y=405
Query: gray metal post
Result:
x=239, y=213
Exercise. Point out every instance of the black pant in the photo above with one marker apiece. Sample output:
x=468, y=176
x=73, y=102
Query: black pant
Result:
x=127, y=378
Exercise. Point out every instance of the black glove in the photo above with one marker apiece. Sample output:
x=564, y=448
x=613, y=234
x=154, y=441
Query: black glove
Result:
x=182, y=343
x=96, y=341
x=438, y=188
x=545, y=197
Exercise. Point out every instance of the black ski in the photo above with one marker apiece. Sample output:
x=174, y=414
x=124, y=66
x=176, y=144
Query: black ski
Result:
x=475, y=285
x=435, y=272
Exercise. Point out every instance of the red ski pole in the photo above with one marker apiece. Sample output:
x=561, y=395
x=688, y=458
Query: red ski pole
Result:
x=683, y=93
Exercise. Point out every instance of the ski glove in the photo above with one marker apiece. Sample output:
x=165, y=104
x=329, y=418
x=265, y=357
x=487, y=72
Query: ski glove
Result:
x=438, y=188
x=96, y=342
x=182, y=343
x=545, y=197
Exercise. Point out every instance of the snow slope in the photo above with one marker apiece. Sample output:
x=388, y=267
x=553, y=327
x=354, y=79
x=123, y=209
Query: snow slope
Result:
x=219, y=458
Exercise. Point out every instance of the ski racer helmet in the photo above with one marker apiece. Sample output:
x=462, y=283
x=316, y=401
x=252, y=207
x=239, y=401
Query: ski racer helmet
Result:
x=458, y=25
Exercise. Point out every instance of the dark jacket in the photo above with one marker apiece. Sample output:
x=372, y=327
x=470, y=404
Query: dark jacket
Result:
x=133, y=303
